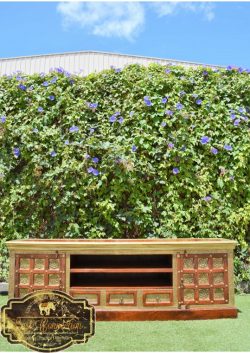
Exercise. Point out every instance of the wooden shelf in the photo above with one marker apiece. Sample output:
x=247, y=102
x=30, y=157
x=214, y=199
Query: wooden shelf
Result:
x=121, y=270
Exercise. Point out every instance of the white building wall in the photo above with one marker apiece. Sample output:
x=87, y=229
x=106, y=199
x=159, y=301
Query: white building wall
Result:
x=86, y=61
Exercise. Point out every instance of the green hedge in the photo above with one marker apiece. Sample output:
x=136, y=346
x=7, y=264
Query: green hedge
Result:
x=133, y=153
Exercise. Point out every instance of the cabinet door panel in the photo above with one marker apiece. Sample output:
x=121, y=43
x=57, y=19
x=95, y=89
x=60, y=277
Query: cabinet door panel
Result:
x=202, y=278
x=33, y=272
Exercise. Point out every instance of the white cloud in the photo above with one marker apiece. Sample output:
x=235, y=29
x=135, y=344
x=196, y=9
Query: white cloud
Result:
x=173, y=8
x=108, y=19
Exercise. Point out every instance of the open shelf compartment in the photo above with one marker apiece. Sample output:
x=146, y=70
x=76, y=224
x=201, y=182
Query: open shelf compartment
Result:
x=121, y=271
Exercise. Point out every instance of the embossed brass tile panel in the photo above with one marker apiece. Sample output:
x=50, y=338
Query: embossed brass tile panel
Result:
x=24, y=263
x=158, y=298
x=54, y=279
x=39, y=264
x=39, y=279
x=121, y=298
x=24, y=279
x=92, y=298
x=203, y=278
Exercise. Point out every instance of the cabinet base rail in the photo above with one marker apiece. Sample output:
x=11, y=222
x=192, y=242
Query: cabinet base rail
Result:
x=173, y=314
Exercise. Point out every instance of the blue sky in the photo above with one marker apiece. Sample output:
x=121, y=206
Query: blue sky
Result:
x=213, y=33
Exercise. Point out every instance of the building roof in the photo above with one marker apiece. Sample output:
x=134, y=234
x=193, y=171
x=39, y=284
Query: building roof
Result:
x=81, y=61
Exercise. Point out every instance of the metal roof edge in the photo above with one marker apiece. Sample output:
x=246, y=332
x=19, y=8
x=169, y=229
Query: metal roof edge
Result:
x=110, y=53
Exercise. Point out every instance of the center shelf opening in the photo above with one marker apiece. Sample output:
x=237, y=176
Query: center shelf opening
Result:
x=121, y=279
x=121, y=271
x=120, y=261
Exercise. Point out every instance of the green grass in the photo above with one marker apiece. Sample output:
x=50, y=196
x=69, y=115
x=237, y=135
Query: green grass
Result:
x=199, y=335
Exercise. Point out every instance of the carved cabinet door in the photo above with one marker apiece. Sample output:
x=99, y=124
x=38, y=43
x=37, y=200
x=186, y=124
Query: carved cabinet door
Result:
x=33, y=272
x=202, y=278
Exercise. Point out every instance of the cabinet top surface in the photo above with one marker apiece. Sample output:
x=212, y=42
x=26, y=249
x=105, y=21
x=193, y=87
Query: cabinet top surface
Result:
x=116, y=244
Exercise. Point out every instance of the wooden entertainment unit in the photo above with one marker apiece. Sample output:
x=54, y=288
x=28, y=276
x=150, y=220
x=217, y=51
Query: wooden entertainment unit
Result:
x=139, y=279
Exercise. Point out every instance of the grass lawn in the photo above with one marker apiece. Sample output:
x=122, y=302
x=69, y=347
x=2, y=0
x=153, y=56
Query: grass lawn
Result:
x=199, y=335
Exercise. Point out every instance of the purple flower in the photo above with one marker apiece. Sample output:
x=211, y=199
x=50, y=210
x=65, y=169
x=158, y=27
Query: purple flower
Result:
x=53, y=153
x=54, y=79
x=42, y=74
x=87, y=156
x=170, y=145
x=182, y=93
x=207, y=198
x=169, y=112
x=22, y=87
x=131, y=113
x=66, y=142
x=51, y=98
x=16, y=152
x=164, y=100
x=241, y=110
x=240, y=70
x=163, y=124
x=179, y=106
x=118, y=70
x=35, y=130
x=3, y=119
x=73, y=129
x=229, y=68
x=95, y=172
x=31, y=88
x=231, y=177
x=214, y=150
x=195, y=95
x=236, y=122
x=134, y=148
x=60, y=70
x=45, y=83
x=121, y=120
x=167, y=71
x=40, y=109
x=147, y=101
x=67, y=74
x=205, y=73
x=95, y=160
x=205, y=140
x=228, y=147
x=112, y=119
x=92, y=105
x=91, y=130
x=198, y=101
x=175, y=170
x=232, y=116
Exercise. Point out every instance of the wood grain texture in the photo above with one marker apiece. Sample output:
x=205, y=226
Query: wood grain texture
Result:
x=173, y=314
x=121, y=246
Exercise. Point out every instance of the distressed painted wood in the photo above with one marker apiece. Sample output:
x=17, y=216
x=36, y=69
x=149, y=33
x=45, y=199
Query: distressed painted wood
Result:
x=139, y=279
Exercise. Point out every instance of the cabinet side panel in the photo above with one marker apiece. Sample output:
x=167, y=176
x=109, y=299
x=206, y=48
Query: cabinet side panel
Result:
x=12, y=274
x=231, y=278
